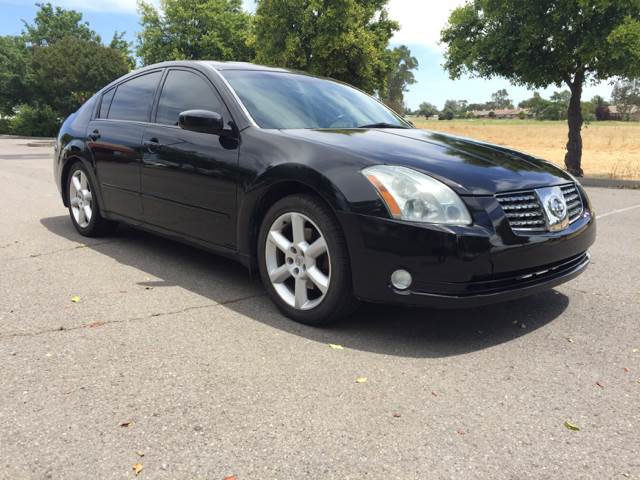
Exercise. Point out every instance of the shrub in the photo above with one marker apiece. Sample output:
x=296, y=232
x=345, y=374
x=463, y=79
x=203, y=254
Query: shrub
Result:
x=5, y=126
x=39, y=121
x=446, y=115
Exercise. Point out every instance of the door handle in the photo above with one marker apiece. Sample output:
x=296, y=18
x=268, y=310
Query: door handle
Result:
x=93, y=136
x=152, y=145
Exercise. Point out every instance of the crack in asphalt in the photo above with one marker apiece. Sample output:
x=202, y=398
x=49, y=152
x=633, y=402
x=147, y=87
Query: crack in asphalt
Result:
x=62, y=250
x=133, y=319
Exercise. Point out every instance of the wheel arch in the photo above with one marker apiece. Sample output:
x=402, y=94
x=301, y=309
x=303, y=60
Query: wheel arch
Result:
x=71, y=155
x=280, y=182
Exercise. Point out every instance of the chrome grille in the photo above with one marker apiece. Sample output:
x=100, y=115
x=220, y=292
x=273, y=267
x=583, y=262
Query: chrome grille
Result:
x=525, y=213
x=523, y=210
x=574, y=201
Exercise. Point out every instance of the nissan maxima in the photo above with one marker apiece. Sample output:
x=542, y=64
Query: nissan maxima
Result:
x=328, y=194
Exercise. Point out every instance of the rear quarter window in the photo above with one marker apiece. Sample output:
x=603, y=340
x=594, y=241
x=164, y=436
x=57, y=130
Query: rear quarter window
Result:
x=132, y=99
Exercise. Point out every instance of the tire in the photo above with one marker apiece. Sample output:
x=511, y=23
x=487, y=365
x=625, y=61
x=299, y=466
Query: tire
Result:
x=292, y=270
x=83, y=204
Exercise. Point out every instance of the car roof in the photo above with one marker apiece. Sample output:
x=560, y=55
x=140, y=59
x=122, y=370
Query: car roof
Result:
x=215, y=65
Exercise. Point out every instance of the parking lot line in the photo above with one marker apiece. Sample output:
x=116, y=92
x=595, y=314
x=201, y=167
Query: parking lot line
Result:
x=620, y=210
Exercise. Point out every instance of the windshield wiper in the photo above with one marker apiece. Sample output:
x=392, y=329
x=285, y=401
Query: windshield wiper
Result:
x=382, y=125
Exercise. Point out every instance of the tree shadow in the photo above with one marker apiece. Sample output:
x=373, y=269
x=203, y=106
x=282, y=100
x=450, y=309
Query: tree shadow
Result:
x=389, y=330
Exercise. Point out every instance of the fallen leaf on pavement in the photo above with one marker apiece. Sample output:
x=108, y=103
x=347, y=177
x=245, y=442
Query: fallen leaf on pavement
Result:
x=569, y=339
x=128, y=423
x=336, y=346
x=396, y=415
x=140, y=453
x=571, y=426
x=137, y=468
x=361, y=380
x=75, y=299
x=626, y=370
x=231, y=477
x=434, y=394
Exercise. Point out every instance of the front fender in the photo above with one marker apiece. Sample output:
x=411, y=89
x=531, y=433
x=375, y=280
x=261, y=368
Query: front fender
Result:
x=275, y=182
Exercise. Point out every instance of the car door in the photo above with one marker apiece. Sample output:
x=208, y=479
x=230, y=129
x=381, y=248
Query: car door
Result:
x=188, y=178
x=114, y=138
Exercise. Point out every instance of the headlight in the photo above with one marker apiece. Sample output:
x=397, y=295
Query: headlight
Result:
x=413, y=196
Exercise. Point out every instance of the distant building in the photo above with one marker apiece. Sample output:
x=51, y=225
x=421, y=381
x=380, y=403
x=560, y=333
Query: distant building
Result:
x=634, y=113
x=509, y=113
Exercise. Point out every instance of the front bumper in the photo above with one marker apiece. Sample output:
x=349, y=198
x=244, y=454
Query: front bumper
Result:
x=456, y=267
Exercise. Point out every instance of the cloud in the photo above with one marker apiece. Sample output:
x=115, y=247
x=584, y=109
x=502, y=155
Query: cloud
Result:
x=421, y=20
x=122, y=6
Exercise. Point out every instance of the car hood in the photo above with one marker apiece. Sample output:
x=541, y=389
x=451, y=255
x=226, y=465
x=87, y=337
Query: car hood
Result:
x=469, y=167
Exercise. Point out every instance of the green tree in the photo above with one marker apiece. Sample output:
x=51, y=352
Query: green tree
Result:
x=15, y=72
x=343, y=39
x=119, y=43
x=601, y=108
x=500, y=100
x=546, y=42
x=625, y=96
x=194, y=30
x=65, y=85
x=536, y=105
x=427, y=110
x=400, y=75
x=457, y=107
x=53, y=24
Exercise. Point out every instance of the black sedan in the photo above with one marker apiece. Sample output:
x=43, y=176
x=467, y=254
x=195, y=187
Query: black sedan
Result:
x=327, y=193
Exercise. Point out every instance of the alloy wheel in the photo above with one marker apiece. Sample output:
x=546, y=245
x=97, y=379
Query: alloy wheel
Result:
x=297, y=260
x=80, y=198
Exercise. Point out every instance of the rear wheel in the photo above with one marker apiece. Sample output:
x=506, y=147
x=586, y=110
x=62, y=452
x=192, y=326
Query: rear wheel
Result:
x=304, y=263
x=83, y=204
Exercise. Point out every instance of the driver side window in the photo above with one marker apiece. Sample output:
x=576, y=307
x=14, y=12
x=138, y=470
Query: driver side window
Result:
x=183, y=90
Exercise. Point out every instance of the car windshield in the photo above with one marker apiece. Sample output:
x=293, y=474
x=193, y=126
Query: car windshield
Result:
x=286, y=100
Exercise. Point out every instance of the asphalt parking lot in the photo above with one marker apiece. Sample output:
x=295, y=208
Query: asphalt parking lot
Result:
x=175, y=360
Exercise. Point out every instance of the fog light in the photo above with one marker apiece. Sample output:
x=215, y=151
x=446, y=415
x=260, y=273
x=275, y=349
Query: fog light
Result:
x=401, y=279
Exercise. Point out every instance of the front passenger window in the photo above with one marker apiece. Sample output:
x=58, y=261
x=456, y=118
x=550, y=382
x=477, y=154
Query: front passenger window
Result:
x=182, y=91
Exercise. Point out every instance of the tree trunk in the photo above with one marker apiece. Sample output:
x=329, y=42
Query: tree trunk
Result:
x=573, y=158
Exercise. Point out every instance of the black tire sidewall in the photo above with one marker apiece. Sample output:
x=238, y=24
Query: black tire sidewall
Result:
x=340, y=288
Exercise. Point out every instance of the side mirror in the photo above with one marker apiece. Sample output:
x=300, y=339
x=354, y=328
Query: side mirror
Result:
x=203, y=121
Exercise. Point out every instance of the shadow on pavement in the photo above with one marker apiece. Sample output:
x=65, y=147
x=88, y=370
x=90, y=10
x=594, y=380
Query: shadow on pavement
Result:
x=398, y=331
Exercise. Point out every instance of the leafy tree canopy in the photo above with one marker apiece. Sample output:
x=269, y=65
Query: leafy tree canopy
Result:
x=427, y=109
x=14, y=73
x=342, y=39
x=54, y=23
x=66, y=85
x=546, y=42
x=399, y=76
x=625, y=96
x=194, y=30
x=500, y=100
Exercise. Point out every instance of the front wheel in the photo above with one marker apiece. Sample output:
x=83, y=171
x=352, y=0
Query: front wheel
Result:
x=304, y=263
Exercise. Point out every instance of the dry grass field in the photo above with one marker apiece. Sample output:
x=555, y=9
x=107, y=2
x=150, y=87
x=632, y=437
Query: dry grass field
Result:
x=611, y=149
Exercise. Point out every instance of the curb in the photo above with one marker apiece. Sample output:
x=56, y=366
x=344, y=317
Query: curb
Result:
x=599, y=182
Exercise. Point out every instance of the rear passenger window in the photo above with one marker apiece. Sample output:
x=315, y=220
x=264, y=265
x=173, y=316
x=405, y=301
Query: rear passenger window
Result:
x=133, y=99
x=105, y=103
x=182, y=91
